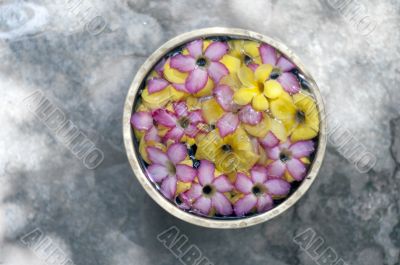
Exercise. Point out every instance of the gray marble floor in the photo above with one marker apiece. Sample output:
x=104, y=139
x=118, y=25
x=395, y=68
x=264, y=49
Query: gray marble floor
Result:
x=82, y=56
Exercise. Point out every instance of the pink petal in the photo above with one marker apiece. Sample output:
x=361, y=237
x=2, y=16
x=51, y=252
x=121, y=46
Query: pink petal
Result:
x=268, y=54
x=157, y=84
x=164, y=117
x=245, y=204
x=168, y=187
x=217, y=70
x=180, y=109
x=289, y=83
x=206, y=172
x=264, y=203
x=249, y=115
x=180, y=87
x=196, y=117
x=277, y=187
x=221, y=204
x=284, y=64
x=159, y=68
x=157, y=172
x=191, y=130
x=224, y=96
x=216, y=50
x=302, y=149
x=183, y=63
x=174, y=134
x=142, y=120
x=258, y=174
x=195, y=48
x=273, y=153
x=203, y=204
x=196, y=80
x=227, y=124
x=243, y=183
x=194, y=192
x=276, y=169
x=157, y=156
x=185, y=173
x=152, y=135
x=296, y=168
x=270, y=140
x=177, y=153
x=222, y=184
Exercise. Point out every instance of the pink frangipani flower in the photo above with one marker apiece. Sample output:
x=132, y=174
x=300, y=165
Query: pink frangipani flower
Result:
x=282, y=67
x=235, y=114
x=208, y=193
x=287, y=156
x=166, y=168
x=143, y=121
x=201, y=65
x=258, y=191
x=181, y=121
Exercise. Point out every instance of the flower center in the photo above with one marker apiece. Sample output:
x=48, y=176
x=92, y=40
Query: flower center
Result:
x=226, y=148
x=258, y=190
x=208, y=190
x=201, y=61
x=285, y=156
x=247, y=59
x=171, y=168
x=275, y=73
x=184, y=122
x=300, y=116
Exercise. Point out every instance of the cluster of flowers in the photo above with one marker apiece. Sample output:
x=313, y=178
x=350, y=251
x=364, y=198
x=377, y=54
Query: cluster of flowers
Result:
x=224, y=127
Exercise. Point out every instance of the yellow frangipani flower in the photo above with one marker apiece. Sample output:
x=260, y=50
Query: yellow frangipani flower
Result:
x=230, y=154
x=257, y=87
x=299, y=114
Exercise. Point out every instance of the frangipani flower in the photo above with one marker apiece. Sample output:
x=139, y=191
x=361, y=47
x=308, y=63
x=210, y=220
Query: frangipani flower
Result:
x=228, y=123
x=208, y=193
x=258, y=191
x=230, y=154
x=143, y=121
x=180, y=122
x=168, y=168
x=242, y=52
x=201, y=65
x=299, y=114
x=278, y=69
x=287, y=158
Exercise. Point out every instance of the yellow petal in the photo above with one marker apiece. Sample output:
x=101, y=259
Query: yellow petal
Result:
x=288, y=177
x=231, y=80
x=185, y=51
x=262, y=72
x=239, y=140
x=231, y=62
x=182, y=187
x=173, y=75
x=193, y=103
x=278, y=129
x=251, y=48
x=157, y=99
x=307, y=105
x=208, y=145
x=207, y=90
x=246, y=76
x=272, y=89
x=176, y=95
x=305, y=160
x=260, y=129
x=236, y=48
x=244, y=96
x=212, y=111
x=303, y=132
x=283, y=109
x=260, y=102
x=206, y=43
x=247, y=160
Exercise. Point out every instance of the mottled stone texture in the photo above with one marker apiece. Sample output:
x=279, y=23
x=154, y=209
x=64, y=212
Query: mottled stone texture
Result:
x=103, y=216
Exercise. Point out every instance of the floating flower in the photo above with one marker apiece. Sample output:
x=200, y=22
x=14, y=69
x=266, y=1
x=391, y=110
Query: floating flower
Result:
x=258, y=191
x=287, y=158
x=242, y=52
x=231, y=153
x=278, y=68
x=228, y=123
x=299, y=114
x=208, y=193
x=180, y=122
x=201, y=65
x=168, y=168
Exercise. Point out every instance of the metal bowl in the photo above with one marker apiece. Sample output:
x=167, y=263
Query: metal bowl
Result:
x=134, y=157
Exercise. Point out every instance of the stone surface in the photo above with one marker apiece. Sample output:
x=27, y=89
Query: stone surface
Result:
x=103, y=216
